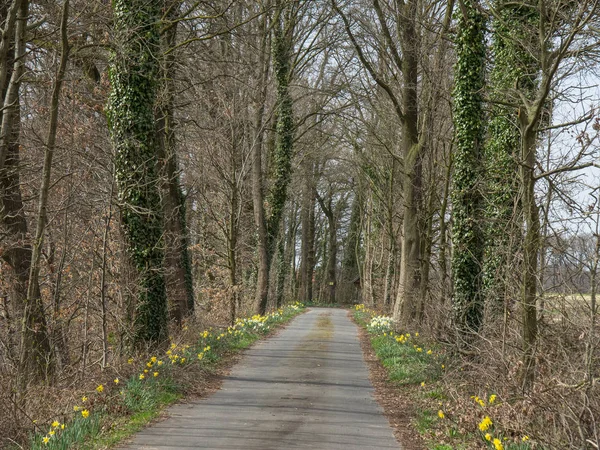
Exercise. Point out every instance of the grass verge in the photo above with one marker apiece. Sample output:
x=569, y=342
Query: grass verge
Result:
x=115, y=411
x=416, y=367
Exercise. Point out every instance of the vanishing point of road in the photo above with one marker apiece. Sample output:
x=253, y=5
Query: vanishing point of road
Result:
x=306, y=387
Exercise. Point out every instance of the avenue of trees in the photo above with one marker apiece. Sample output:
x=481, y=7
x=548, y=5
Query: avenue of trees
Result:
x=166, y=161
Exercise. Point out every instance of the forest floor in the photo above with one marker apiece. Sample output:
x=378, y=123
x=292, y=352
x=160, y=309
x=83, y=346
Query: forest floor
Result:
x=306, y=387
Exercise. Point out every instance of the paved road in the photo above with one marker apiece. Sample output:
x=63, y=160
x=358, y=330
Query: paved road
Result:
x=307, y=387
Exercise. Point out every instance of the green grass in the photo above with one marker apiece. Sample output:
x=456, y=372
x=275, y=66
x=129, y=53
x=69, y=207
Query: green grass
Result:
x=409, y=365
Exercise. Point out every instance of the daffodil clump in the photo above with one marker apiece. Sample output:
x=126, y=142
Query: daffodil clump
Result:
x=154, y=377
x=380, y=325
x=488, y=431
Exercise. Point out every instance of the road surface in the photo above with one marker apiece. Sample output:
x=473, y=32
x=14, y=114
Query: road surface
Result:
x=307, y=387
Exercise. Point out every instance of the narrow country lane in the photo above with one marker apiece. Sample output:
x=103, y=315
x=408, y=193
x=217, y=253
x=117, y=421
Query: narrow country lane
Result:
x=307, y=387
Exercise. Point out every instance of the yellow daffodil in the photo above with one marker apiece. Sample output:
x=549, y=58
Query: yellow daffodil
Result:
x=62, y=426
x=85, y=413
x=76, y=408
x=429, y=352
x=116, y=381
x=130, y=361
x=84, y=399
x=441, y=414
x=142, y=376
x=159, y=363
x=492, y=399
x=498, y=444
x=55, y=424
x=100, y=388
x=485, y=423
x=200, y=355
x=155, y=374
x=51, y=432
x=153, y=359
x=422, y=384
x=525, y=438
x=45, y=440
x=488, y=437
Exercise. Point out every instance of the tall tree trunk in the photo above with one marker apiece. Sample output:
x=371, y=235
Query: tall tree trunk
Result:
x=467, y=234
x=134, y=77
x=33, y=293
x=283, y=23
x=262, y=282
x=531, y=248
x=330, y=214
x=35, y=354
x=308, y=233
x=178, y=272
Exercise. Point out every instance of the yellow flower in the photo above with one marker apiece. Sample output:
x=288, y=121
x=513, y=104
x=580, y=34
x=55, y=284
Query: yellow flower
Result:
x=155, y=374
x=149, y=364
x=76, y=408
x=153, y=359
x=142, y=376
x=99, y=388
x=485, y=423
x=488, y=437
x=84, y=399
x=145, y=370
x=441, y=414
x=55, y=424
x=419, y=349
x=492, y=399
x=422, y=384
x=159, y=363
x=525, y=438
x=200, y=355
x=85, y=413
x=498, y=444
x=45, y=440
x=51, y=432
x=416, y=334
x=62, y=426
x=130, y=361
x=206, y=349
x=116, y=381
x=429, y=352
x=443, y=366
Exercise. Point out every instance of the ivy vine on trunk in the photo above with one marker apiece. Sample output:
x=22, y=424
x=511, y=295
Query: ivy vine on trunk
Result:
x=134, y=81
x=467, y=232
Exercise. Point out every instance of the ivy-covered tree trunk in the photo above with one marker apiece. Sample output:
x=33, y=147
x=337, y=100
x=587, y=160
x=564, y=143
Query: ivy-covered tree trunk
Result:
x=511, y=152
x=282, y=157
x=514, y=68
x=467, y=235
x=134, y=81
